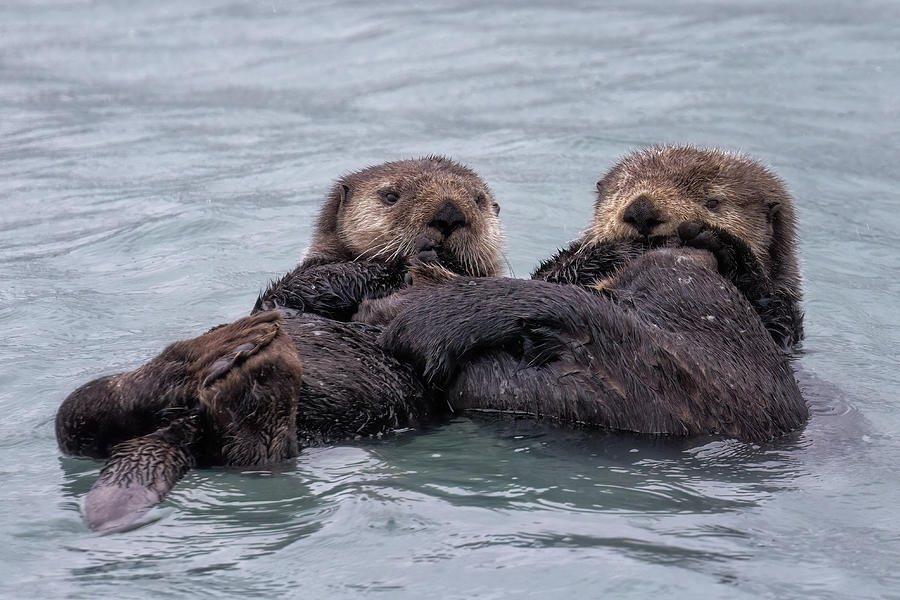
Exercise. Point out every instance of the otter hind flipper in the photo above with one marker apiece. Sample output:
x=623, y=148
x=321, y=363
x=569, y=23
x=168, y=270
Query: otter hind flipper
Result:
x=250, y=394
x=262, y=334
x=139, y=474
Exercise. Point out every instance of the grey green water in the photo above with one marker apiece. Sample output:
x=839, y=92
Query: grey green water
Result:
x=160, y=161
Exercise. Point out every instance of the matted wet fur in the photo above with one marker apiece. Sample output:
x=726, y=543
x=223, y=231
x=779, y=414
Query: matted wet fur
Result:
x=109, y=410
x=226, y=397
x=704, y=198
x=252, y=392
x=670, y=348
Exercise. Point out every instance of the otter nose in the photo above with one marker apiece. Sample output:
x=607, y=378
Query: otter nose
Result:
x=448, y=218
x=642, y=215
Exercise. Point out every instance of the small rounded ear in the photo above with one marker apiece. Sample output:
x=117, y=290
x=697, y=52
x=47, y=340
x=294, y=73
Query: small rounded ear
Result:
x=599, y=186
x=772, y=211
x=345, y=192
x=496, y=208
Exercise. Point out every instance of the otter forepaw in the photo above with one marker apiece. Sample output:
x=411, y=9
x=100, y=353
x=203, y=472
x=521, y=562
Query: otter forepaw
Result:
x=426, y=266
x=425, y=250
x=705, y=237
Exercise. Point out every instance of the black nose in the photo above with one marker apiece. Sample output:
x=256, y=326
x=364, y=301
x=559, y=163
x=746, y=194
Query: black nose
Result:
x=448, y=218
x=642, y=215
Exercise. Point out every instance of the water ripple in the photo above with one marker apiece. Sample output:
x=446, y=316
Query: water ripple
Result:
x=159, y=163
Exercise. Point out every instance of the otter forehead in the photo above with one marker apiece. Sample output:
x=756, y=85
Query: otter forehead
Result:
x=691, y=172
x=671, y=171
x=688, y=171
x=430, y=166
x=424, y=178
x=425, y=181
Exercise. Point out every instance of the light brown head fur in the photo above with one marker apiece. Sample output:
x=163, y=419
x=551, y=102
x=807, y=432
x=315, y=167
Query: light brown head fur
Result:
x=379, y=212
x=653, y=191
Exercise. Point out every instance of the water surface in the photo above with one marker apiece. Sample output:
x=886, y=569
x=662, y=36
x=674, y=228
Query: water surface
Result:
x=159, y=162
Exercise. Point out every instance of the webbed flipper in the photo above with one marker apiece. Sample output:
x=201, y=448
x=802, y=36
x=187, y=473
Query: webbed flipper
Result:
x=139, y=474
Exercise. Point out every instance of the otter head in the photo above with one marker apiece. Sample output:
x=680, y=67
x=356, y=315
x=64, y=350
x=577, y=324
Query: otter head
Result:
x=378, y=213
x=651, y=192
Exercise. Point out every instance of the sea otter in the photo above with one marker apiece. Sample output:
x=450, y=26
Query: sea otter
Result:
x=654, y=339
x=254, y=391
x=705, y=198
x=372, y=224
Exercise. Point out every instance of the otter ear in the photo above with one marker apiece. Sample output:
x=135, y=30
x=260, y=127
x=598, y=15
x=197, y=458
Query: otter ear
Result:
x=772, y=211
x=345, y=192
x=599, y=186
x=496, y=208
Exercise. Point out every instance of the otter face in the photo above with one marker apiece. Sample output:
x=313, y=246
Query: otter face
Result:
x=651, y=192
x=385, y=208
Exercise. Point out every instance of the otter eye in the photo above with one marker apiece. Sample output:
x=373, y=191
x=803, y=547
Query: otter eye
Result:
x=712, y=203
x=389, y=197
x=480, y=199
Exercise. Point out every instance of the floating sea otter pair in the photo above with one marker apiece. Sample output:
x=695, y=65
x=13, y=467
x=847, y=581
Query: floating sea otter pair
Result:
x=673, y=315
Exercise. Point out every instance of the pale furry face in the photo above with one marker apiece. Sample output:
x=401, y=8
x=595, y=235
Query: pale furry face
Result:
x=684, y=184
x=385, y=210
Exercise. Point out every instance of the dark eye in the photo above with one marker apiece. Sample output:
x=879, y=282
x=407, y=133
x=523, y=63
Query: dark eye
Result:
x=480, y=199
x=389, y=197
x=712, y=203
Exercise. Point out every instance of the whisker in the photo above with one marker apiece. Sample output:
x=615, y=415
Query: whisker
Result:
x=374, y=246
x=509, y=267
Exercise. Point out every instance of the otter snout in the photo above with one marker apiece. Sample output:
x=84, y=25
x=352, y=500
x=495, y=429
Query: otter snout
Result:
x=448, y=218
x=642, y=215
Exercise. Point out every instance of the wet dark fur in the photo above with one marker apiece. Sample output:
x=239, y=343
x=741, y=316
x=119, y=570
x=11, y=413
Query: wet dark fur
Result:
x=670, y=348
x=351, y=387
x=109, y=410
x=248, y=393
x=333, y=290
x=710, y=199
x=139, y=474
